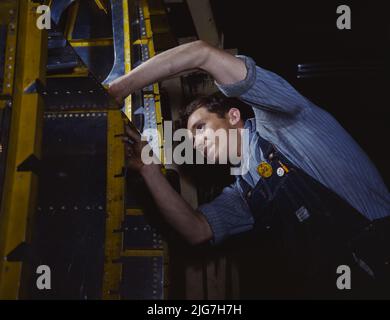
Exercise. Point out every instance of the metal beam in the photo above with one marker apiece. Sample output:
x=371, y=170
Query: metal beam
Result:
x=202, y=16
x=115, y=206
x=25, y=140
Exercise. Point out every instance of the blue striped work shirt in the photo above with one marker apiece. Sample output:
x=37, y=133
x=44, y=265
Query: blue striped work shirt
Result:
x=309, y=137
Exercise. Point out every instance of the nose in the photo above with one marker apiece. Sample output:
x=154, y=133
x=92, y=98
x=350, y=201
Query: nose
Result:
x=199, y=142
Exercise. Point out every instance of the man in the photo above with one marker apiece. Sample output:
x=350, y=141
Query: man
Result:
x=310, y=188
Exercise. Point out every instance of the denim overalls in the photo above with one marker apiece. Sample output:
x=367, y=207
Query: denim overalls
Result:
x=306, y=231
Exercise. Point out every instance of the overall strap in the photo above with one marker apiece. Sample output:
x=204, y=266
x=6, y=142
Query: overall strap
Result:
x=266, y=147
x=245, y=186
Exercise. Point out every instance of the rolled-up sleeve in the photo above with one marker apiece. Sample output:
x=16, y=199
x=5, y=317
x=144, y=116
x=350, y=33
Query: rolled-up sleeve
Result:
x=265, y=90
x=228, y=214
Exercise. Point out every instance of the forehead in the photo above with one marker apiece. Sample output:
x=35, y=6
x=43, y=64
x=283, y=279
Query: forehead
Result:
x=198, y=115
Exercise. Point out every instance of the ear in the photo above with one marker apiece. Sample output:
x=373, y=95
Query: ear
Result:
x=234, y=116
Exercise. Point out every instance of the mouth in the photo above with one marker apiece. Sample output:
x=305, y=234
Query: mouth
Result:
x=209, y=152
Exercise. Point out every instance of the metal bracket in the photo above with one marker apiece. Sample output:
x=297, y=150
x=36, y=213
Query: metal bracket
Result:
x=31, y=164
x=21, y=253
x=35, y=87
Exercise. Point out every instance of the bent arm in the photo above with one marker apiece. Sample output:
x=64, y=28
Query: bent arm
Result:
x=235, y=77
x=192, y=225
x=198, y=55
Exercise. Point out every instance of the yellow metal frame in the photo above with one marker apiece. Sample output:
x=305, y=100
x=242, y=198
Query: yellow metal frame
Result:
x=91, y=42
x=79, y=72
x=115, y=185
x=115, y=206
x=10, y=9
x=159, y=119
x=25, y=139
x=115, y=162
x=114, y=241
x=127, y=52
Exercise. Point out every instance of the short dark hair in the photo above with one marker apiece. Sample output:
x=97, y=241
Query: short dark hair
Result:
x=216, y=103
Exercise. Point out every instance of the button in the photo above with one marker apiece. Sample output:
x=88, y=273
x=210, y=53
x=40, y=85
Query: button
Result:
x=284, y=167
x=264, y=169
x=280, y=172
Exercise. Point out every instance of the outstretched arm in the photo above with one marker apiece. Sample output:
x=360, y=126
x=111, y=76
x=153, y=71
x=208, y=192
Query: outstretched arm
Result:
x=198, y=55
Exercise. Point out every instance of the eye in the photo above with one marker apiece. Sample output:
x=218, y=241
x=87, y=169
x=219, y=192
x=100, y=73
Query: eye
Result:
x=200, y=126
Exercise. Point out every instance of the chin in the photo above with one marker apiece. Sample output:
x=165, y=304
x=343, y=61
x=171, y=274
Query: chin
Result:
x=209, y=155
x=212, y=158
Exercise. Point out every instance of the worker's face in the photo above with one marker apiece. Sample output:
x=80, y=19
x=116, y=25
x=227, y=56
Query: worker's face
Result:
x=207, y=127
